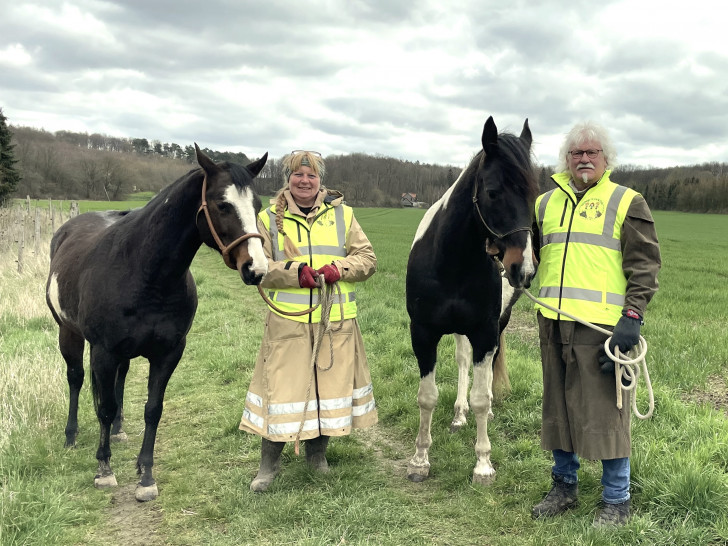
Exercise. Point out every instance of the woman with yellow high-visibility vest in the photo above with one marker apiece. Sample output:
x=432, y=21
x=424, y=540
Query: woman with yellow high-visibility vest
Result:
x=598, y=260
x=307, y=233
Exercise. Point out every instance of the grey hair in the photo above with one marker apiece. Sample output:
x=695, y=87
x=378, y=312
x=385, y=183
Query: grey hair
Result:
x=584, y=132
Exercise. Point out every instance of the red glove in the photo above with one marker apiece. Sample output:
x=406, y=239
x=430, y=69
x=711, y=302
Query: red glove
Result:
x=307, y=277
x=330, y=272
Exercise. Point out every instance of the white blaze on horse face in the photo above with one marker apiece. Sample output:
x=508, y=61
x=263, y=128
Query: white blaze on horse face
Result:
x=507, y=292
x=243, y=201
x=53, y=296
x=528, y=267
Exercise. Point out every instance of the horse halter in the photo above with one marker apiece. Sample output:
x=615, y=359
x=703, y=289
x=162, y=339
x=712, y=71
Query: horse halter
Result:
x=490, y=229
x=225, y=250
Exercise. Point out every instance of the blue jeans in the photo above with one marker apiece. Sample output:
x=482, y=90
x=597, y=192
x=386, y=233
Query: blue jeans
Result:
x=615, y=474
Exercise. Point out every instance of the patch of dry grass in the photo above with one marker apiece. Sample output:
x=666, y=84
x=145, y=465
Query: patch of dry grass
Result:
x=32, y=373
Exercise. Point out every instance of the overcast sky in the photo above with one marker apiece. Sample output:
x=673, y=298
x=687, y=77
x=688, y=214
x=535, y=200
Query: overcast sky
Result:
x=411, y=79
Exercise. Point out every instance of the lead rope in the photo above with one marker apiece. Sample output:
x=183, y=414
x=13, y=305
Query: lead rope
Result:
x=326, y=300
x=626, y=370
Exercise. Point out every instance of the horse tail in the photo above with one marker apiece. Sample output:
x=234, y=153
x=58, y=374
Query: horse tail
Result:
x=501, y=381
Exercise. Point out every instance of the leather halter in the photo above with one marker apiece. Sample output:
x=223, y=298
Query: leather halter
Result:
x=490, y=229
x=225, y=250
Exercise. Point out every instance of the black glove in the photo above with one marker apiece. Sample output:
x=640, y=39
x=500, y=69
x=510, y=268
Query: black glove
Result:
x=626, y=335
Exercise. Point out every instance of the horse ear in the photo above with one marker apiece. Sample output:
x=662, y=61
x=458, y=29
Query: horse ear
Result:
x=256, y=166
x=205, y=162
x=490, y=137
x=526, y=135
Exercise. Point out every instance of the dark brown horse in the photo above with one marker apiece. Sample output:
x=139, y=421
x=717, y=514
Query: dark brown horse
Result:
x=121, y=281
x=454, y=281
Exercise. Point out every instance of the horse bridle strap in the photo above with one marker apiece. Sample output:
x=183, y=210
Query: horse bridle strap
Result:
x=225, y=250
x=494, y=232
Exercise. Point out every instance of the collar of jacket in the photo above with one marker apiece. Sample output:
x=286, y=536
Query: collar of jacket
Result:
x=331, y=197
x=562, y=181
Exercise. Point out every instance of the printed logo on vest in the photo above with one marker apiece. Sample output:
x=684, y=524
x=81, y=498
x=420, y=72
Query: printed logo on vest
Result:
x=591, y=209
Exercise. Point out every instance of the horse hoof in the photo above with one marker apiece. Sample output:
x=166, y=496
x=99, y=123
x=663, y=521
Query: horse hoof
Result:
x=416, y=478
x=455, y=427
x=101, y=482
x=418, y=474
x=484, y=479
x=120, y=437
x=144, y=494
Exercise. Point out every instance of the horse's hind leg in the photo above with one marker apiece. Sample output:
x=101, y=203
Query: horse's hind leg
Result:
x=117, y=434
x=160, y=370
x=104, y=366
x=71, y=346
x=464, y=358
x=424, y=344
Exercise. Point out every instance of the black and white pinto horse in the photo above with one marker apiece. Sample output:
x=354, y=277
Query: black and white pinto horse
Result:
x=454, y=280
x=121, y=281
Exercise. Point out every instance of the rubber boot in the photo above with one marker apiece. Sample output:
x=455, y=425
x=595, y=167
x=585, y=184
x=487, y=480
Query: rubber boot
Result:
x=316, y=453
x=270, y=464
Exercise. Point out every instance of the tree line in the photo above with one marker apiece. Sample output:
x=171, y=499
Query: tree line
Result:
x=70, y=165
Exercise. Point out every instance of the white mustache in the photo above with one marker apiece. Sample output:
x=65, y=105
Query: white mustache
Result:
x=585, y=166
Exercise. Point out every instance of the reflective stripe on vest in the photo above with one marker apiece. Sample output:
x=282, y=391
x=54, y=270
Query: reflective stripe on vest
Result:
x=581, y=254
x=320, y=243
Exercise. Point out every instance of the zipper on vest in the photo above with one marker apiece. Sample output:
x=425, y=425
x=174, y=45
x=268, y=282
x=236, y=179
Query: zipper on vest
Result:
x=566, y=248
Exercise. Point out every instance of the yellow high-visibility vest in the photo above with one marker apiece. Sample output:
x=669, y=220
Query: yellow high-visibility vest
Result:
x=580, y=269
x=320, y=243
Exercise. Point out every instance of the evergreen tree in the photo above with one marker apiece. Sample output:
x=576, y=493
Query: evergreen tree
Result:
x=9, y=177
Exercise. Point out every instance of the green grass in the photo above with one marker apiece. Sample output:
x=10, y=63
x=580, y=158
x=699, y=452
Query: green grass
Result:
x=204, y=464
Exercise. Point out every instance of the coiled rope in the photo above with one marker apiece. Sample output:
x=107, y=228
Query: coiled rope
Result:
x=626, y=370
x=325, y=300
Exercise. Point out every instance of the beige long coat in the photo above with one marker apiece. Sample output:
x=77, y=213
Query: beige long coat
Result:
x=339, y=394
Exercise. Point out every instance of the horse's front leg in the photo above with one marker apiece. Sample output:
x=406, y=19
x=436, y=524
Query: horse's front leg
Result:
x=464, y=358
x=117, y=434
x=104, y=366
x=160, y=370
x=481, y=401
x=424, y=344
x=418, y=468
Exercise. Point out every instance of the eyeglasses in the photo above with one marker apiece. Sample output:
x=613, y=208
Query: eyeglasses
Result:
x=294, y=152
x=577, y=154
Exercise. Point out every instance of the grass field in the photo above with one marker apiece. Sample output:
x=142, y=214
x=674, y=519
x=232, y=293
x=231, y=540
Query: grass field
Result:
x=204, y=464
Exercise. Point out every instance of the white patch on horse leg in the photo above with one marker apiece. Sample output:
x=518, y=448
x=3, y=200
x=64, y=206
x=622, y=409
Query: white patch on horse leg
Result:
x=529, y=268
x=464, y=357
x=481, y=400
x=419, y=466
x=53, y=297
x=243, y=202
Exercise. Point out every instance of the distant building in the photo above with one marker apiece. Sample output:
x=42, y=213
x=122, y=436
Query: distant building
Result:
x=408, y=199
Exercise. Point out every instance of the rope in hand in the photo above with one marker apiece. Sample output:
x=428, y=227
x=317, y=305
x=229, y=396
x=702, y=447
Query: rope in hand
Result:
x=626, y=370
x=325, y=300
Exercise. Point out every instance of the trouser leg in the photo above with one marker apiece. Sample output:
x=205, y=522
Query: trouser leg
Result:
x=615, y=480
x=565, y=465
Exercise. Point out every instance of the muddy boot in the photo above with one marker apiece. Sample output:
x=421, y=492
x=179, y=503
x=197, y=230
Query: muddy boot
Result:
x=612, y=515
x=557, y=501
x=316, y=453
x=270, y=464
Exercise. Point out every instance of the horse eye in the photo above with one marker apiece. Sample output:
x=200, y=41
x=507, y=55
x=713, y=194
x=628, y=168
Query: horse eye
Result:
x=224, y=207
x=492, y=194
